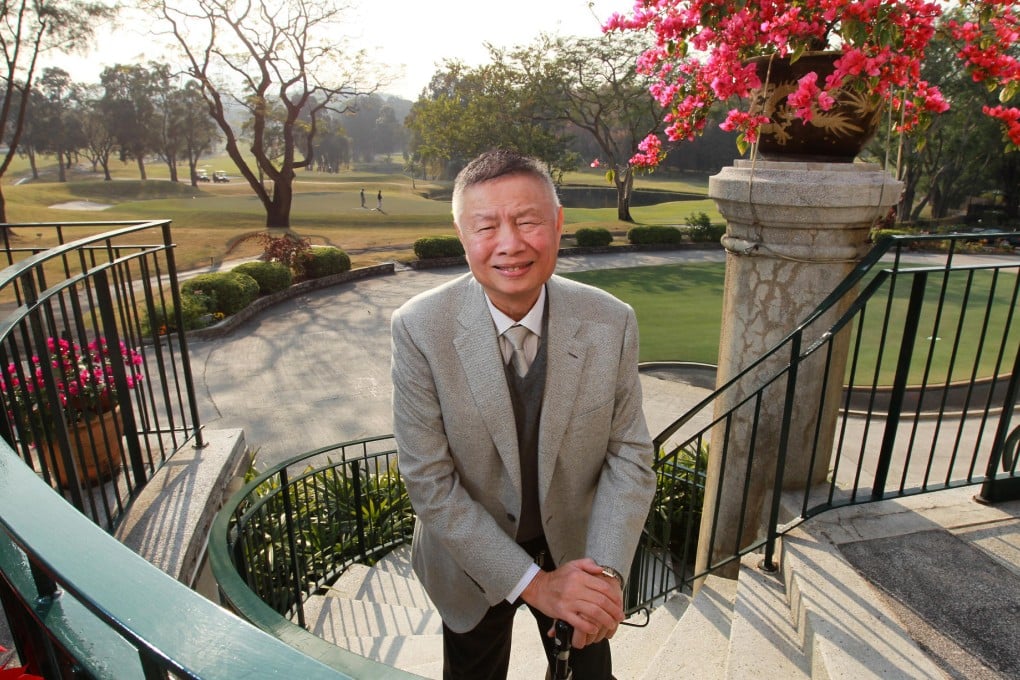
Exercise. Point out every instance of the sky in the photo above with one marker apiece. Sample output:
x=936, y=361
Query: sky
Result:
x=410, y=36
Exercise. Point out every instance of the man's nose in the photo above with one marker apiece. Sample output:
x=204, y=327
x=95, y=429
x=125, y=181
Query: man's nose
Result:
x=509, y=238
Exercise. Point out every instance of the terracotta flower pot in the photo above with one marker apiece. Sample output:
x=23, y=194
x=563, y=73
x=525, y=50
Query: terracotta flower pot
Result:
x=833, y=136
x=101, y=453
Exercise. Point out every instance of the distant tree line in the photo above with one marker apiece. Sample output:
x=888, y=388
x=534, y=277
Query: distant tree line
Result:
x=272, y=86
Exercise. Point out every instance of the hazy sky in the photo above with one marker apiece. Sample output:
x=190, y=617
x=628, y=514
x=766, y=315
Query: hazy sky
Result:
x=412, y=36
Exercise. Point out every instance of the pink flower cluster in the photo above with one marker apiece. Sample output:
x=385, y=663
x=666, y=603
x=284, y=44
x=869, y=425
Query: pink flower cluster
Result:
x=702, y=47
x=83, y=376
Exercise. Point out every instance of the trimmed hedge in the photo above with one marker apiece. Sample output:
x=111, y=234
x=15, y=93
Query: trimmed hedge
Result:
x=162, y=320
x=318, y=262
x=226, y=292
x=272, y=277
x=654, y=234
x=434, y=247
x=593, y=237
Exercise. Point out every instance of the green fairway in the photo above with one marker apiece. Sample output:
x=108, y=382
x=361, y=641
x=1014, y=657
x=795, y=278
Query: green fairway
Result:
x=210, y=220
x=678, y=307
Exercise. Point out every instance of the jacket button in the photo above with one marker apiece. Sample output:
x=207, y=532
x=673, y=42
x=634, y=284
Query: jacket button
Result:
x=510, y=517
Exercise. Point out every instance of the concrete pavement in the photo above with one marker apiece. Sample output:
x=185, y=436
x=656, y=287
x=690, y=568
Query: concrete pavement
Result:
x=314, y=370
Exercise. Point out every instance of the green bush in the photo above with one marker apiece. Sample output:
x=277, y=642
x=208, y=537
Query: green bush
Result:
x=315, y=263
x=272, y=277
x=227, y=292
x=701, y=229
x=596, y=237
x=163, y=320
x=434, y=247
x=654, y=234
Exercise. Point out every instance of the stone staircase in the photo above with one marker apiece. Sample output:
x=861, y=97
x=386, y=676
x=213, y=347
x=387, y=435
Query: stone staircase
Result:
x=815, y=618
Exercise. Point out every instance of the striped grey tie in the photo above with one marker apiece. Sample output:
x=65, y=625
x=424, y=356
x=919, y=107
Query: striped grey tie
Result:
x=517, y=335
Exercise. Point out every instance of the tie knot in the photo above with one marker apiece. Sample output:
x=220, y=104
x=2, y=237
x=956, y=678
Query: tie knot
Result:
x=516, y=335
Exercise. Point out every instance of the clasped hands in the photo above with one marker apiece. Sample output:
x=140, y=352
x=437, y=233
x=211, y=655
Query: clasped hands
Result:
x=578, y=593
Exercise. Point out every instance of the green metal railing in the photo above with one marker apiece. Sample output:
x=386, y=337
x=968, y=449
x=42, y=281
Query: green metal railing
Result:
x=77, y=602
x=96, y=393
x=294, y=529
x=941, y=359
x=928, y=400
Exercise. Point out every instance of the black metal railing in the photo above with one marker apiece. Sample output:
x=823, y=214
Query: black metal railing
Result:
x=924, y=403
x=95, y=384
x=295, y=528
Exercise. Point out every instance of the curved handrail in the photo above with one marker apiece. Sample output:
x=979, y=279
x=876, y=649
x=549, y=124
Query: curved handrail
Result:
x=59, y=565
x=270, y=591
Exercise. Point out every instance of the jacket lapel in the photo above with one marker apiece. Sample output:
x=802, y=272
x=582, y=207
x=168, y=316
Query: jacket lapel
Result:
x=478, y=350
x=566, y=357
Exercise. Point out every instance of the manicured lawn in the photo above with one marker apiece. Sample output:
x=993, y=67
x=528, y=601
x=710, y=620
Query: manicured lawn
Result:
x=678, y=307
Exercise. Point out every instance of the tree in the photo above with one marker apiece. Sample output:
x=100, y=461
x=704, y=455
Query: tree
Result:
x=56, y=118
x=130, y=98
x=100, y=140
x=29, y=28
x=593, y=83
x=465, y=111
x=197, y=131
x=283, y=65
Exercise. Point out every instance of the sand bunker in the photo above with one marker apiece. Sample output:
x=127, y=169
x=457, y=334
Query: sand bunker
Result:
x=81, y=205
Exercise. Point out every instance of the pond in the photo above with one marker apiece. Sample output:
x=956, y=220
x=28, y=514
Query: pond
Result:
x=605, y=197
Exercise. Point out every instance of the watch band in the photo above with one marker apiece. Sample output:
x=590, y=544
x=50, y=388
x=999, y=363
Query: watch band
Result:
x=612, y=573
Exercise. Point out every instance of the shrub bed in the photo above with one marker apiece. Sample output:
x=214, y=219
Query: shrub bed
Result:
x=224, y=292
x=436, y=247
x=592, y=237
x=318, y=262
x=654, y=234
x=272, y=277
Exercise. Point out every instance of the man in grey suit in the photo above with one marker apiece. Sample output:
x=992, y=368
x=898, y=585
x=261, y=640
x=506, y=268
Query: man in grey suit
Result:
x=525, y=452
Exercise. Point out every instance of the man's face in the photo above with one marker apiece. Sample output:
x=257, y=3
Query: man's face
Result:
x=510, y=227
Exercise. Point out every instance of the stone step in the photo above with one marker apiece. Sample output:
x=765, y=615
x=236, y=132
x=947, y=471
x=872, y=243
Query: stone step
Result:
x=334, y=619
x=696, y=647
x=360, y=582
x=848, y=631
x=397, y=561
x=634, y=648
x=422, y=654
x=763, y=639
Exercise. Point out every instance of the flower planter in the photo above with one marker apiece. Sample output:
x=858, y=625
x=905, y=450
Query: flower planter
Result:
x=101, y=453
x=833, y=136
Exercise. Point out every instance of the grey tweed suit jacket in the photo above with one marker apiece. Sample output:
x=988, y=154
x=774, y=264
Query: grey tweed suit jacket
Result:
x=457, y=442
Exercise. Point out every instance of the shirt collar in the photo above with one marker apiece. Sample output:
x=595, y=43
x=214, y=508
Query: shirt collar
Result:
x=532, y=320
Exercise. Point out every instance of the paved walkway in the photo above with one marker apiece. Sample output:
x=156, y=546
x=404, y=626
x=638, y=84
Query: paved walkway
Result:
x=314, y=370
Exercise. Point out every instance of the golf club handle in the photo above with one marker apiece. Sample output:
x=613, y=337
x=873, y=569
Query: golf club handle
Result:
x=564, y=632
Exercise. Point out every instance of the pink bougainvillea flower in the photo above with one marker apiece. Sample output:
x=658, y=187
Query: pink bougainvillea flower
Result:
x=701, y=48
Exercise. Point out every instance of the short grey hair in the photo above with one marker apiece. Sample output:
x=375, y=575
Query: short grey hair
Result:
x=499, y=163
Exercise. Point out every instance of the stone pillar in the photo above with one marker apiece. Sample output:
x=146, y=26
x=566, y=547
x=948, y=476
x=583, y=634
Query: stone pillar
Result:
x=794, y=231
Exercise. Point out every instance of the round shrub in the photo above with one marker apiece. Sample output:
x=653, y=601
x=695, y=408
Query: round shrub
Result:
x=710, y=233
x=163, y=319
x=323, y=261
x=434, y=247
x=272, y=277
x=596, y=237
x=654, y=234
x=228, y=292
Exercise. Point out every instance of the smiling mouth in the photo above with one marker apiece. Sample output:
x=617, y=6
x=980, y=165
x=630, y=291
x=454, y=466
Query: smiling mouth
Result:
x=510, y=269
